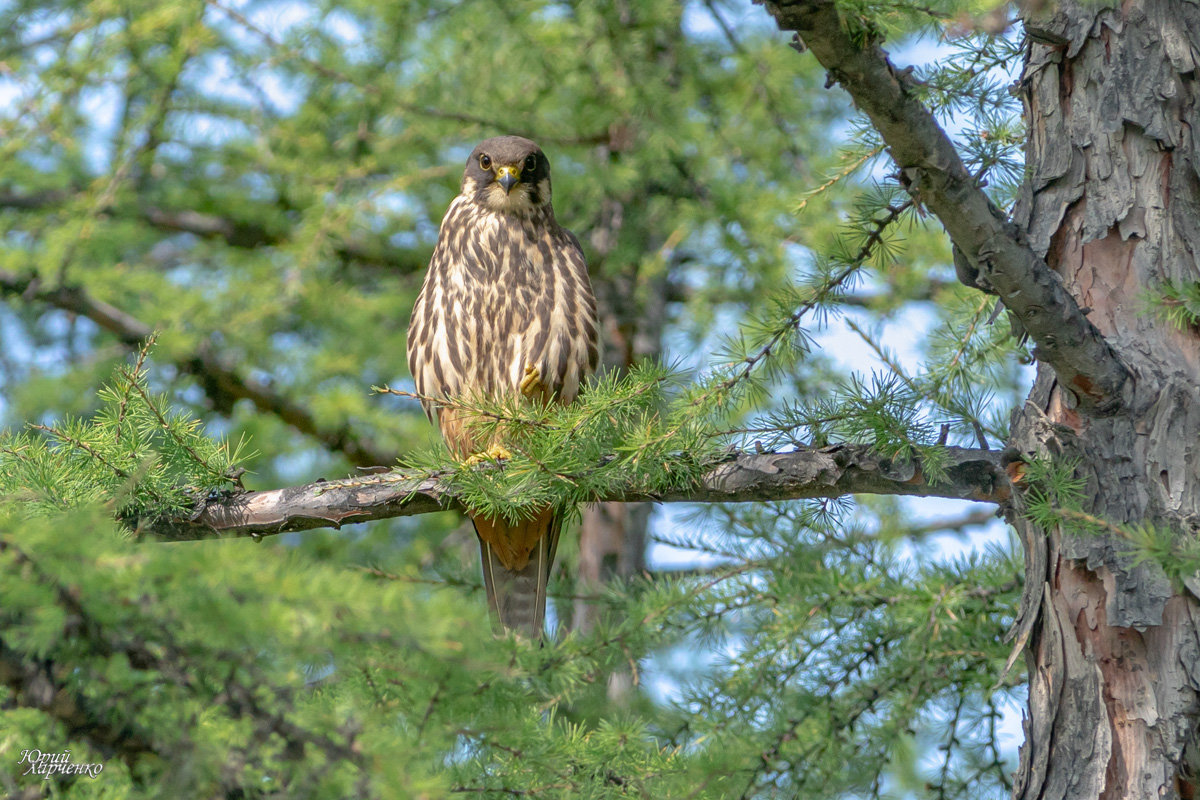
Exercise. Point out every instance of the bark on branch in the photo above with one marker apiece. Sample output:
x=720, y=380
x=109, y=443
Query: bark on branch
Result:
x=807, y=473
x=937, y=178
x=223, y=384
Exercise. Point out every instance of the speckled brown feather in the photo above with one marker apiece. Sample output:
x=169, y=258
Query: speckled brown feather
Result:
x=507, y=289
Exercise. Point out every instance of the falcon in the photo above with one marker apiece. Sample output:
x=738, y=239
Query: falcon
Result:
x=506, y=310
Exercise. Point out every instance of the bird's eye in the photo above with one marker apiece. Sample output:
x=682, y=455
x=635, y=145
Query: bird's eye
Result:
x=485, y=161
x=530, y=162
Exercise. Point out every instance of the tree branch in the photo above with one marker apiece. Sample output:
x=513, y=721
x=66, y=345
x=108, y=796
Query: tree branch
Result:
x=245, y=234
x=223, y=384
x=806, y=473
x=237, y=233
x=936, y=177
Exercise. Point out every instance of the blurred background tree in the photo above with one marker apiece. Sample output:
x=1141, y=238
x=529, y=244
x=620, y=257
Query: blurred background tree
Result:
x=262, y=182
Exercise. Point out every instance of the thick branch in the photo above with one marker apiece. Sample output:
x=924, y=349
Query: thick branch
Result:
x=223, y=384
x=234, y=232
x=937, y=177
x=806, y=473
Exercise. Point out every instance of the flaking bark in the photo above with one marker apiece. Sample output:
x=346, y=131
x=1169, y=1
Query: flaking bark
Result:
x=1112, y=204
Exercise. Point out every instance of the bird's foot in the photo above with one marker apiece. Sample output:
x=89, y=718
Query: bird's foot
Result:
x=531, y=384
x=494, y=453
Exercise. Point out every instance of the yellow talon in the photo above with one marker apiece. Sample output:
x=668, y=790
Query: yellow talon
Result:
x=494, y=453
x=532, y=382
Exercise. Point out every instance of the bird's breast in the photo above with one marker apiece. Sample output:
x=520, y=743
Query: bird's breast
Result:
x=504, y=294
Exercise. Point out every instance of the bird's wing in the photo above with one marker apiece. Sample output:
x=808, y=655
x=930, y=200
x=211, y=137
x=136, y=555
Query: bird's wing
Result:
x=441, y=353
x=562, y=341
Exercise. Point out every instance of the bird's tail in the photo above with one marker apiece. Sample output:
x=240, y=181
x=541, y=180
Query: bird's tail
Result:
x=516, y=569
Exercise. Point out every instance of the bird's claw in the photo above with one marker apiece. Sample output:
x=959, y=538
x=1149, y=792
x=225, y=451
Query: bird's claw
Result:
x=494, y=453
x=531, y=384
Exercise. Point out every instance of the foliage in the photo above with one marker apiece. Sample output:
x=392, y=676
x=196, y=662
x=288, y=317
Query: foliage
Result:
x=624, y=433
x=235, y=665
x=136, y=455
x=262, y=182
x=214, y=672
x=1178, y=304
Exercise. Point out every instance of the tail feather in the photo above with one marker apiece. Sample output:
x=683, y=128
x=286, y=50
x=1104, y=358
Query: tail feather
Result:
x=517, y=597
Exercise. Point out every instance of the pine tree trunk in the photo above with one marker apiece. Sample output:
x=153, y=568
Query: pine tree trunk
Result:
x=1112, y=199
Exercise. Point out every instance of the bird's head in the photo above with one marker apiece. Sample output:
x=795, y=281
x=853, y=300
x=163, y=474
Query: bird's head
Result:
x=509, y=174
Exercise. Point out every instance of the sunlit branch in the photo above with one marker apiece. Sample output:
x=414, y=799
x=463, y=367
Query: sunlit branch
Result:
x=744, y=368
x=805, y=473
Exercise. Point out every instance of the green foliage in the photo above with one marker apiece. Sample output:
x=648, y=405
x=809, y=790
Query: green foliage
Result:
x=242, y=665
x=263, y=183
x=1178, y=304
x=624, y=434
x=1051, y=486
x=136, y=455
x=869, y=653
x=239, y=668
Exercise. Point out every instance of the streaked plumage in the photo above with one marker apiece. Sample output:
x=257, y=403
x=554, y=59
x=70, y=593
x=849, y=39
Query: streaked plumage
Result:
x=506, y=302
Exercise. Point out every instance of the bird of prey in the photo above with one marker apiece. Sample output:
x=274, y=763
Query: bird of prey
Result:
x=506, y=309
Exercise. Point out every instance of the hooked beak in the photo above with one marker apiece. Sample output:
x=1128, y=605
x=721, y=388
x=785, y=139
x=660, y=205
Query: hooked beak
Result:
x=508, y=177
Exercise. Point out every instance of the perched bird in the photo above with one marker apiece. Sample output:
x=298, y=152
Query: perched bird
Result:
x=506, y=309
